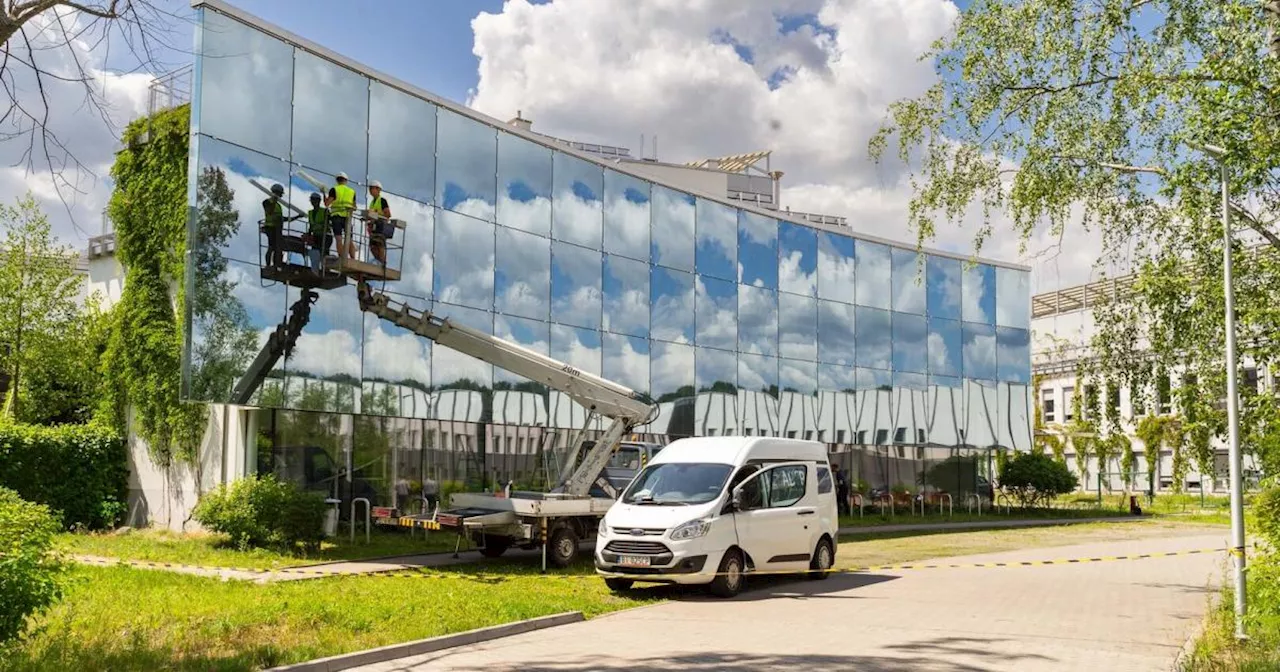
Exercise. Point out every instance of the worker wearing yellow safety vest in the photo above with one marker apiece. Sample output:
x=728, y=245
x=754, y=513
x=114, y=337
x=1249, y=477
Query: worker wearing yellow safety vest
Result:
x=318, y=238
x=379, y=226
x=273, y=225
x=341, y=202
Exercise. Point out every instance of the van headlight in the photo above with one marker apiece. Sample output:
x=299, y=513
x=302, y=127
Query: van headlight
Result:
x=601, y=529
x=691, y=530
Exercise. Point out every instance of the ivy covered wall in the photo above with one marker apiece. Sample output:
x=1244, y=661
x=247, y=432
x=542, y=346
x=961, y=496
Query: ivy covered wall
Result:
x=142, y=362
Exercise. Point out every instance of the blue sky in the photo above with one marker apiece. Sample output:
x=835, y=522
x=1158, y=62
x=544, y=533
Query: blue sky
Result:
x=424, y=43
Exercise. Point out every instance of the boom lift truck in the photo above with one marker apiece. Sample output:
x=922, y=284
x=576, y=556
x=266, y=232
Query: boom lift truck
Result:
x=557, y=521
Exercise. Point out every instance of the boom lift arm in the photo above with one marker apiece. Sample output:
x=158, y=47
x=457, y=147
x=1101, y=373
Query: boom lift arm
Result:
x=599, y=396
x=279, y=344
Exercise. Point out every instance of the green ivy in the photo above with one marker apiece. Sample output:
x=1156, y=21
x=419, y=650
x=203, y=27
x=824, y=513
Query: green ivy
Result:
x=143, y=358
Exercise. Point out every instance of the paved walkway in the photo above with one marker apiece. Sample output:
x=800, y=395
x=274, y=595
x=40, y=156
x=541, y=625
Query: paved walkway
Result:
x=1119, y=616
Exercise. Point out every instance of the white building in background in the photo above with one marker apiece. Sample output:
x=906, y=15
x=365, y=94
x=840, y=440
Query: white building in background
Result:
x=1062, y=326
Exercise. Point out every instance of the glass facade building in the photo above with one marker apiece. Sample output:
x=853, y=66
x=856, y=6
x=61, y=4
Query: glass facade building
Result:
x=735, y=320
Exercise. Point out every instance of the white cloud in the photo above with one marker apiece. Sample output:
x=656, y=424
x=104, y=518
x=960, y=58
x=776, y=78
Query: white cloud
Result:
x=90, y=137
x=664, y=67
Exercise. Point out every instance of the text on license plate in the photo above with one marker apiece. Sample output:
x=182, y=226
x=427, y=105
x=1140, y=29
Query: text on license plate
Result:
x=634, y=560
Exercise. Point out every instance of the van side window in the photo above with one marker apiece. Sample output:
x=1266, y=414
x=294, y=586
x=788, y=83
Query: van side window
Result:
x=786, y=485
x=824, y=480
x=625, y=458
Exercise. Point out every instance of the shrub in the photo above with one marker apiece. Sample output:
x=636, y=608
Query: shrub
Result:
x=1034, y=477
x=1266, y=507
x=80, y=471
x=263, y=511
x=30, y=572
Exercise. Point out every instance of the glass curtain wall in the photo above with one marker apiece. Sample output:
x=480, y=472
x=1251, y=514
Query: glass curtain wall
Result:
x=734, y=322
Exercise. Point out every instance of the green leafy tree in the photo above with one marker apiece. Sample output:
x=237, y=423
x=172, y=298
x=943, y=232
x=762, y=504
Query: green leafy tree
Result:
x=1128, y=460
x=30, y=570
x=1035, y=478
x=1058, y=117
x=39, y=317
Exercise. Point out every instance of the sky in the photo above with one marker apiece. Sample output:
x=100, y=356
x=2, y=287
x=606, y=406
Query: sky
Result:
x=809, y=79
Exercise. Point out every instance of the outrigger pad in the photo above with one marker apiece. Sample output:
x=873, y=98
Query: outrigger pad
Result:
x=303, y=277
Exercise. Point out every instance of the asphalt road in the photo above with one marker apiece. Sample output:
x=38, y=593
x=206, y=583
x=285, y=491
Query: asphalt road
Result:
x=1115, y=616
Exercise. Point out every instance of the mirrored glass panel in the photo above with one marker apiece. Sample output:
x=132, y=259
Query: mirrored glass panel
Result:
x=981, y=412
x=757, y=320
x=577, y=203
x=910, y=343
x=626, y=215
x=943, y=287
x=402, y=142
x=875, y=273
x=257, y=115
x=797, y=326
x=673, y=214
x=873, y=329
x=626, y=296
x=626, y=361
x=798, y=377
x=757, y=250
x=875, y=379
x=797, y=259
x=980, y=294
x=575, y=286
x=464, y=260
x=522, y=281
x=1013, y=298
x=908, y=282
x=466, y=165
x=524, y=185
x=671, y=371
x=672, y=315
x=758, y=373
x=532, y=334
x=979, y=351
x=452, y=369
x=231, y=188
x=329, y=350
x=944, y=347
x=1013, y=354
x=836, y=336
x=330, y=116
x=716, y=371
x=396, y=375
x=833, y=378
x=417, y=257
x=716, y=313
x=836, y=267
x=232, y=314
x=717, y=250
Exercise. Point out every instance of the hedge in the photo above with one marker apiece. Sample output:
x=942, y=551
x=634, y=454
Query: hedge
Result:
x=80, y=471
x=30, y=571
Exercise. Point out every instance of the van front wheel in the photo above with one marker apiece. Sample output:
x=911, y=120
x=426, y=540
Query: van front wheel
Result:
x=728, y=581
x=823, y=559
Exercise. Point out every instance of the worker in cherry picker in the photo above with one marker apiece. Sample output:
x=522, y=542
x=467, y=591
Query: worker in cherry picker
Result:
x=378, y=226
x=318, y=237
x=273, y=225
x=341, y=202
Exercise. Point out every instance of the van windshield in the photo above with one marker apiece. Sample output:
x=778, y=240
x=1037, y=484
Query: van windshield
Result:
x=677, y=484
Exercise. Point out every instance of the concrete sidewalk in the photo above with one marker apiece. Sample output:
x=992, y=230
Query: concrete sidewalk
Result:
x=1121, y=616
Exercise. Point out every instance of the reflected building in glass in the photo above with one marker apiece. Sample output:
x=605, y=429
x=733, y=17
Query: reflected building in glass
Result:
x=734, y=317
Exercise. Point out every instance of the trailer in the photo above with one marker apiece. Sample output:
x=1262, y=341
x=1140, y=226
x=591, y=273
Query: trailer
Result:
x=557, y=521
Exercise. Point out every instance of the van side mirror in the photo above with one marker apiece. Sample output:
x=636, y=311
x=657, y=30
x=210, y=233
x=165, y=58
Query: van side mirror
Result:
x=736, y=499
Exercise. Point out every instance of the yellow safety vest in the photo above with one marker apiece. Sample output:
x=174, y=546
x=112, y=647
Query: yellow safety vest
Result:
x=376, y=205
x=344, y=200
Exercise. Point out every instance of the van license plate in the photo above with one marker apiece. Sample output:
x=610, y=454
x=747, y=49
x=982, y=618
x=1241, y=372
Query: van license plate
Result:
x=634, y=560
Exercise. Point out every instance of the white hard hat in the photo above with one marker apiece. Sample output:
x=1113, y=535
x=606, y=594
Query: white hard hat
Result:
x=375, y=183
x=341, y=176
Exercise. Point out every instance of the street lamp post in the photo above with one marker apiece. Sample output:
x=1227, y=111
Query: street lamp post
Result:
x=1233, y=412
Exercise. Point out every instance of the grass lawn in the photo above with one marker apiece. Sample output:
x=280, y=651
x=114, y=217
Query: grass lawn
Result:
x=119, y=618
x=903, y=547
x=1218, y=651
x=212, y=550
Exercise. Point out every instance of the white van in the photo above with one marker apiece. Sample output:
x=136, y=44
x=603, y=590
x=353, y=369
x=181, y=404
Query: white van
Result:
x=708, y=510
